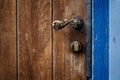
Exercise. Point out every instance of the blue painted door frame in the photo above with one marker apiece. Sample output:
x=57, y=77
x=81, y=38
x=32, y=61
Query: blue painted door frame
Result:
x=100, y=40
x=114, y=39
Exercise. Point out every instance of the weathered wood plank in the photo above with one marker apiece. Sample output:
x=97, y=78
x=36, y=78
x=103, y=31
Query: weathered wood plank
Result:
x=7, y=40
x=35, y=60
x=113, y=44
x=68, y=65
x=100, y=42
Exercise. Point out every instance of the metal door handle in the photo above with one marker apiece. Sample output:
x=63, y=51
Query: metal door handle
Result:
x=76, y=23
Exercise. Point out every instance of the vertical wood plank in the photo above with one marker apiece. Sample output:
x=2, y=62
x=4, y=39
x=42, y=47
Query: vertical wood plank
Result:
x=7, y=40
x=113, y=47
x=100, y=39
x=35, y=59
x=66, y=64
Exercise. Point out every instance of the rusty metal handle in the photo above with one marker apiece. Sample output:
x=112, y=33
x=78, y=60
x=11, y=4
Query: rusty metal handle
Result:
x=76, y=23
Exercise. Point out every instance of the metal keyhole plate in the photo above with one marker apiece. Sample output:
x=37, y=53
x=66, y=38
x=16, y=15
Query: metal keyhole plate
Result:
x=76, y=46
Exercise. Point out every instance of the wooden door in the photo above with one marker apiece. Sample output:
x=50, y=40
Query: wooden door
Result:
x=66, y=64
x=30, y=49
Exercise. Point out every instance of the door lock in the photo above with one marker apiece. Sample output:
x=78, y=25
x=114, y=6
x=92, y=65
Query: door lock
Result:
x=76, y=23
x=76, y=46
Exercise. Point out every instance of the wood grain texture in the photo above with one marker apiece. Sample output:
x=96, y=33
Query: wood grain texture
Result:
x=35, y=59
x=66, y=64
x=7, y=40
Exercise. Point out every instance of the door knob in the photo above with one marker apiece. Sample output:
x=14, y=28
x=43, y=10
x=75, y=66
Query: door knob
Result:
x=76, y=23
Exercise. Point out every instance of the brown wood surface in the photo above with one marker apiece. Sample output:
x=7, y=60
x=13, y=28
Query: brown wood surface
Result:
x=7, y=40
x=35, y=48
x=41, y=53
x=66, y=64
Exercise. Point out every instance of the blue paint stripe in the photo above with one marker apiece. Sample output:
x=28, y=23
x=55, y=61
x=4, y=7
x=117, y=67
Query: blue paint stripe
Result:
x=100, y=39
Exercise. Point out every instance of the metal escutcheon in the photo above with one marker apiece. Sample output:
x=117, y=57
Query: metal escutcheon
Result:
x=76, y=47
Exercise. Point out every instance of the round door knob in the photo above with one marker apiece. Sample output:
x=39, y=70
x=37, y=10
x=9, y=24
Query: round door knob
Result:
x=76, y=46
